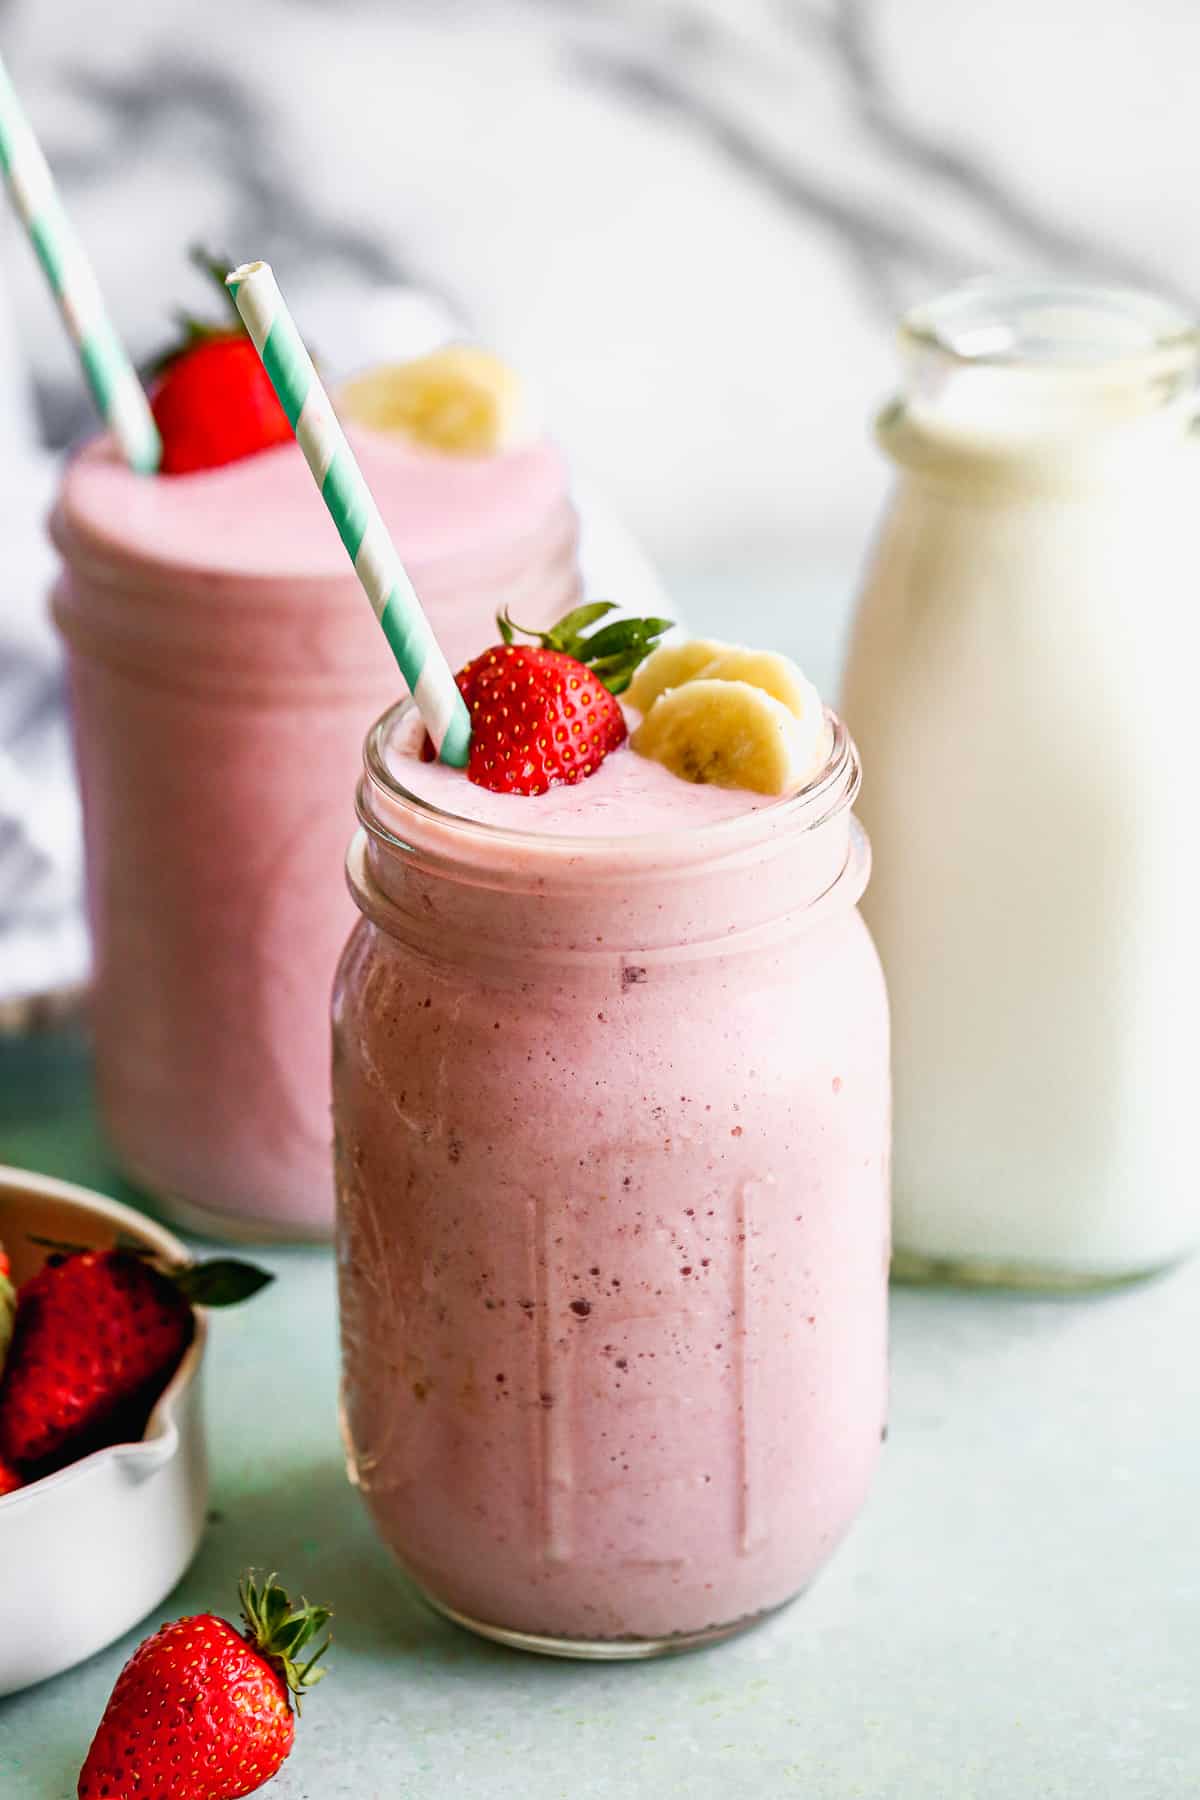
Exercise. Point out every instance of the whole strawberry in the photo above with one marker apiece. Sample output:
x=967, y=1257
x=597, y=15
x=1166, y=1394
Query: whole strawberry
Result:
x=545, y=714
x=202, y=1711
x=213, y=401
x=98, y=1335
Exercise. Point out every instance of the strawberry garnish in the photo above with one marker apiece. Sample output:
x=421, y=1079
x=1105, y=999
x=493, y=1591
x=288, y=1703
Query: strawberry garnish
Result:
x=213, y=401
x=202, y=1711
x=545, y=714
x=98, y=1335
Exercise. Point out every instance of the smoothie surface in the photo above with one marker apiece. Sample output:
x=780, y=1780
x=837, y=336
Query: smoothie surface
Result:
x=628, y=796
x=261, y=516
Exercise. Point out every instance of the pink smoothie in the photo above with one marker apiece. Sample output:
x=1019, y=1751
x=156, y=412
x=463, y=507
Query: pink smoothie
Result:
x=224, y=665
x=611, y=1111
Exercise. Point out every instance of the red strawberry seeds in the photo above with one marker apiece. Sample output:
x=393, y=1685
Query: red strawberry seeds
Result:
x=97, y=1334
x=545, y=714
x=539, y=719
x=202, y=1711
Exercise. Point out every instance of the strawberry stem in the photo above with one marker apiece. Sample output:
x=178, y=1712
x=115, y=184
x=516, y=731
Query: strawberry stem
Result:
x=612, y=653
x=279, y=1632
x=217, y=268
x=193, y=331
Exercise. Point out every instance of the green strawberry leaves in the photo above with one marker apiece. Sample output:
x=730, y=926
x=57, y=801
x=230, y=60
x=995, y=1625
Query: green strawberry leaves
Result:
x=194, y=331
x=280, y=1632
x=221, y=1282
x=612, y=654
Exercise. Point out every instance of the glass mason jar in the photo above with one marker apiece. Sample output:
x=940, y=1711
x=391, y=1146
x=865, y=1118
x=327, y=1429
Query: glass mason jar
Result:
x=223, y=667
x=1022, y=682
x=611, y=1128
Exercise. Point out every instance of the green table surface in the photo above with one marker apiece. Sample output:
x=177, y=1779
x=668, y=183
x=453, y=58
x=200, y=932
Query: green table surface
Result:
x=1016, y=1614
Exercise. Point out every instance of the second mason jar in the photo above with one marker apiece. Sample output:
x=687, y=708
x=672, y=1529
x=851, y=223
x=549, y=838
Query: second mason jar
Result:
x=1023, y=683
x=612, y=1144
x=223, y=667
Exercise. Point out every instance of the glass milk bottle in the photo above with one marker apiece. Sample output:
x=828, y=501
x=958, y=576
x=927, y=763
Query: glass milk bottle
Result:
x=1023, y=683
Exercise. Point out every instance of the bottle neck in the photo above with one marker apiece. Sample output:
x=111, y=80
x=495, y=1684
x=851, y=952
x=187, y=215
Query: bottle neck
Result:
x=1054, y=382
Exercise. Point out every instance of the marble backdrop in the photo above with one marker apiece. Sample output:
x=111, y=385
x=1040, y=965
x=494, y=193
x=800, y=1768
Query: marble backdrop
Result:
x=691, y=222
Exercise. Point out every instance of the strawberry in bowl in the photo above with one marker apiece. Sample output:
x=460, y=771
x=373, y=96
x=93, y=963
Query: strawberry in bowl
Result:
x=104, y=1474
x=96, y=1338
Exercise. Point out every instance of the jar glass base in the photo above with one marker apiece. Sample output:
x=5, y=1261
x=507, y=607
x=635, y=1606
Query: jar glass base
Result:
x=602, y=1649
x=210, y=1222
x=912, y=1267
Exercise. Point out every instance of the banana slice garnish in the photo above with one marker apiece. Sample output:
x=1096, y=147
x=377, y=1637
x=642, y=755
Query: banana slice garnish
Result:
x=710, y=660
x=731, y=734
x=729, y=715
x=460, y=400
x=669, y=667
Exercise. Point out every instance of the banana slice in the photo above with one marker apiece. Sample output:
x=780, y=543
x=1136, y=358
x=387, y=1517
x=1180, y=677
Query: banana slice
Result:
x=707, y=659
x=766, y=669
x=669, y=667
x=460, y=400
x=732, y=734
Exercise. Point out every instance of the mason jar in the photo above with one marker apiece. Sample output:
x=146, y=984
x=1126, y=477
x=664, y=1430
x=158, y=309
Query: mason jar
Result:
x=611, y=1126
x=223, y=667
x=1022, y=681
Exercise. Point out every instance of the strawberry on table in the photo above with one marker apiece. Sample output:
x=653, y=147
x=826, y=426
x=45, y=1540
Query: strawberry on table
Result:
x=545, y=714
x=98, y=1335
x=212, y=400
x=202, y=1711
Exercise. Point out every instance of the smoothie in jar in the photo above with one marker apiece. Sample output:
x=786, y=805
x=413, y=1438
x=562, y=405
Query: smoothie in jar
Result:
x=611, y=1110
x=223, y=668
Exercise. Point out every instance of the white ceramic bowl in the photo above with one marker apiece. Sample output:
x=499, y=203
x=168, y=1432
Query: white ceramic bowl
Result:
x=88, y=1552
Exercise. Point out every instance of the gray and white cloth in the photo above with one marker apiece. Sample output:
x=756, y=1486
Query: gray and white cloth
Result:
x=43, y=943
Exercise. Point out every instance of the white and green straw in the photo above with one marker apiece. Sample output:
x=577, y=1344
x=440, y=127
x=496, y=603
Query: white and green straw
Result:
x=353, y=509
x=109, y=373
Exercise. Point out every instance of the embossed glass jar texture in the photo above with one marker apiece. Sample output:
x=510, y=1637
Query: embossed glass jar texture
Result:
x=611, y=1124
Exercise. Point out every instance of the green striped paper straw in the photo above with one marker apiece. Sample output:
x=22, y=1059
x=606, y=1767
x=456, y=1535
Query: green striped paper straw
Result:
x=109, y=373
x=353, y=509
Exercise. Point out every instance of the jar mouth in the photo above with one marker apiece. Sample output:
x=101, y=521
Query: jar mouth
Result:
x=1007, y=322
x=426, y=825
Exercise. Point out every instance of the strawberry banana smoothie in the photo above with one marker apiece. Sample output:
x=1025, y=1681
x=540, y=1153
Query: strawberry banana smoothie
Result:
x=224, y=665
x=611, y=1110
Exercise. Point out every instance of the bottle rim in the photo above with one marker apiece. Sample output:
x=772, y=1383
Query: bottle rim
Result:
x=1051, y=325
